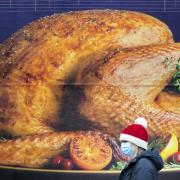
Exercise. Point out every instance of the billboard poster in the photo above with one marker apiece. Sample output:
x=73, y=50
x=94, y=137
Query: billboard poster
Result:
x=89, y=89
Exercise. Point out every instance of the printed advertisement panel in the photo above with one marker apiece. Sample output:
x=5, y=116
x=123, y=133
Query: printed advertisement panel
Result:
x=89, y=89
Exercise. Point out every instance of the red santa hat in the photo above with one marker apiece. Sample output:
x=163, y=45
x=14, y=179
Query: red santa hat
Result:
x=136, y=133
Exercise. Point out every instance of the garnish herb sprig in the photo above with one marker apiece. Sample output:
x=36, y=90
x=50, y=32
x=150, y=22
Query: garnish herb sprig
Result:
x=175, y=82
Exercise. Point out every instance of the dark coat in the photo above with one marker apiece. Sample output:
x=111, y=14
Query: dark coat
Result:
x=143, y=167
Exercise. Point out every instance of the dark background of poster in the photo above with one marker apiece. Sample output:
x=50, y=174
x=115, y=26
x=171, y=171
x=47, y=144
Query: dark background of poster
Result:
x=14, y=14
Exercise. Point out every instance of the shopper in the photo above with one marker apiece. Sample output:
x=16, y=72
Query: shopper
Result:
x=143, y=163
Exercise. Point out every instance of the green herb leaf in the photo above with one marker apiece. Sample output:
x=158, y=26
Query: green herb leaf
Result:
x=118, y=165
x=171, y=165
x=175, y=83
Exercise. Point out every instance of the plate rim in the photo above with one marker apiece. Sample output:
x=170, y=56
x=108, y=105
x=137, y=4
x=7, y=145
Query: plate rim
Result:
x=77, y=171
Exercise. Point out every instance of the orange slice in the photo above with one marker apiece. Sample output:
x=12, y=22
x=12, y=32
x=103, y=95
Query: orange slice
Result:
x=90, y=152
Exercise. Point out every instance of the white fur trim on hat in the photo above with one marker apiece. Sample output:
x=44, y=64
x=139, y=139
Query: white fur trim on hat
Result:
x=134, y=140
x=141, y=121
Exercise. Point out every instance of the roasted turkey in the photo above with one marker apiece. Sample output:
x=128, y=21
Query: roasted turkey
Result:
x=67, y=73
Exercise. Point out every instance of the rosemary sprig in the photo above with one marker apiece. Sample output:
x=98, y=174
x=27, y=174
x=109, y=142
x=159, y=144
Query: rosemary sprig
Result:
x=176, y=78
x=175, y=82
x=157, y=143
x=171, y=165
x=118, y=165
x=2, y=139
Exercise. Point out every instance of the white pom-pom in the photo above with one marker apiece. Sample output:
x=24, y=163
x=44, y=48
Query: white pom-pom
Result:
x=141, y=121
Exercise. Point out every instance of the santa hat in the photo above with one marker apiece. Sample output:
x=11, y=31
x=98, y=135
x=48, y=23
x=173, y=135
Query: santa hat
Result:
x=136, y=133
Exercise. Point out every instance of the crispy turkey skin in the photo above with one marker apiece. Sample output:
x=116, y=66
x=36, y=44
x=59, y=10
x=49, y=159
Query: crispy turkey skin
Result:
x=44, y=57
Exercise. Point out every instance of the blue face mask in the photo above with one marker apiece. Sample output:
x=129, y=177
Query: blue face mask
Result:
x=127, y=149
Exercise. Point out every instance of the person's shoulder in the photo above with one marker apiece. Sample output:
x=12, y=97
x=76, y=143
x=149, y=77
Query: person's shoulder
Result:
x=145, y=169
x=151, y=158
x=145, y=163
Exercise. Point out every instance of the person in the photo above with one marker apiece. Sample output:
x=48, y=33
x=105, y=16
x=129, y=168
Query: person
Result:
x=143, y=163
